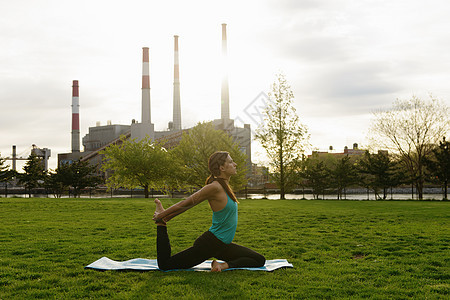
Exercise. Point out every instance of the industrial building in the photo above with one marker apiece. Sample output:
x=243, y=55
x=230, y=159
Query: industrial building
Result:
x=354, y=153
x=100, y=137
x=43, y=154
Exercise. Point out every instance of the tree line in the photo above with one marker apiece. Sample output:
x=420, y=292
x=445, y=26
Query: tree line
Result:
x=73, y=178
x=134, y=164
x=411, y=131
x=149, y=165
x=378, y=172
x=410, y=138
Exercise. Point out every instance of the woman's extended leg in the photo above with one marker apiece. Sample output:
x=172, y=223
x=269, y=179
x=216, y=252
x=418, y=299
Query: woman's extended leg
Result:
x=239, y=256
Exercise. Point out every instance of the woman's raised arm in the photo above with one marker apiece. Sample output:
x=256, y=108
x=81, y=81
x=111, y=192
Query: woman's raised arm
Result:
x=204, y=193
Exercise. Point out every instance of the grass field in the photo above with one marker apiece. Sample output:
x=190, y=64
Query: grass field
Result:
x=340, y=249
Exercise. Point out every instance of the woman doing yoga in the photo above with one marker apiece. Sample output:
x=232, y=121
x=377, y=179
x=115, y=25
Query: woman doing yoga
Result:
x=217, y=241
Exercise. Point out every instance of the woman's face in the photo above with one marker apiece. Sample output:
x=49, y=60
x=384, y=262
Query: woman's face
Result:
x=229, y=167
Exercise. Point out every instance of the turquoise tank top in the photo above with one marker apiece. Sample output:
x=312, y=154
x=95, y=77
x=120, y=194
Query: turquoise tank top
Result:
x=224, y=222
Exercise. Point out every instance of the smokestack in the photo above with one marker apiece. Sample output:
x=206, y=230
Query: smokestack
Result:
x=176, y=88
x=14, y=157
x=75, y=118
x=140, y=131
x=225, y=108
x=146, y=113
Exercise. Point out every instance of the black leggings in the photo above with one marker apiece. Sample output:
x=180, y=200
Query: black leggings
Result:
x=205, y=246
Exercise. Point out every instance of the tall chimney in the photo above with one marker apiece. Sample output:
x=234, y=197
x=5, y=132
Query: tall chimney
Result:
x=176, y=88
x=146, y=113
x=225, y=108
x=75, y=118
x=14, y=157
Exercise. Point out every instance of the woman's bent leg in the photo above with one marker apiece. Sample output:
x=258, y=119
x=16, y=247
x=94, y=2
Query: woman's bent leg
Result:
x=238, y=256
x=198, y=253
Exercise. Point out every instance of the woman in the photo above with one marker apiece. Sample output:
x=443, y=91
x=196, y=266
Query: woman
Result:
x=217, y=241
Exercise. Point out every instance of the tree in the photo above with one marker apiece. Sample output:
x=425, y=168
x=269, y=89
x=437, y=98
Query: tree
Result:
x=77, y=175
x=316, y=174
x=133, y=164
x=5, y=174
x=34, y=173
x=282, y=135
x=380, y=172
x=55, y=181
x=3, y=169
x=410, y=129
x=439, y=164
x=343, y=174
x=81, y=175
x=195, y=148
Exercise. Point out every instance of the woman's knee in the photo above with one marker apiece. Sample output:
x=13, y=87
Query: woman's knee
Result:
x=260, y=260
x=163, y=266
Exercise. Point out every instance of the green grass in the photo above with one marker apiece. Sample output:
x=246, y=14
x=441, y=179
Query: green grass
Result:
x=340, y=249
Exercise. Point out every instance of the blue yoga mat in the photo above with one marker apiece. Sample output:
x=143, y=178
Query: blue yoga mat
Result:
x=143, y=264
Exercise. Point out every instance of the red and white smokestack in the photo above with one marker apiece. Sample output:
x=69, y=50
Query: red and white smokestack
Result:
x=176, y=88
x=146, y=113
x=225, y=108
x=75, y=118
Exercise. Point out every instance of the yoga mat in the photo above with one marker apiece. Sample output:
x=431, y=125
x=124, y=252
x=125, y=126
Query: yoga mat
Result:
x=143, y=264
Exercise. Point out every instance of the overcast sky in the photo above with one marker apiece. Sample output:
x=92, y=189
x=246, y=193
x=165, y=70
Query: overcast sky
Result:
x=343, y=59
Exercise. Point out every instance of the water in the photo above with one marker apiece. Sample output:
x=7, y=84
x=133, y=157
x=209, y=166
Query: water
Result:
x=348, y=197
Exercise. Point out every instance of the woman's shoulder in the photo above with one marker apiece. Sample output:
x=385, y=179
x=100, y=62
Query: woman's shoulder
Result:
x=216, y=195
x=213, y=186
x=213, y=190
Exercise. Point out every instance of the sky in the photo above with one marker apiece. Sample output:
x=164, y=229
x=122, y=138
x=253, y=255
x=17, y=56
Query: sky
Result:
x=343, y=60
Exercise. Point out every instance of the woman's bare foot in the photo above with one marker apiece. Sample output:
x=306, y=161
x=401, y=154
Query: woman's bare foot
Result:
x=159, y=209
x=218, y=267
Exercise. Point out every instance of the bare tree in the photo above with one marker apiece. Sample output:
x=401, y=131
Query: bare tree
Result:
x=411, y=129
x=282, y=135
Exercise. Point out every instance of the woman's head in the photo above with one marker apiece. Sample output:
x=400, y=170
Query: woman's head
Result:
x=218, y=162
x=221, y=163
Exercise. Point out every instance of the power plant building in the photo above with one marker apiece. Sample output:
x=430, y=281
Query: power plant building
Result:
x=100, y=137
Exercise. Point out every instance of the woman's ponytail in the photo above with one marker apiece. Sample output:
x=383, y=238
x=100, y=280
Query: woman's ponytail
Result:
x=227, y=189
x=209, y=179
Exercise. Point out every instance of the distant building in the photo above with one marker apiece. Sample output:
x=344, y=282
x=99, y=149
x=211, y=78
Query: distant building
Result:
x=259, y=176
x=100, y=137
x=353, y=153
x=240, y=135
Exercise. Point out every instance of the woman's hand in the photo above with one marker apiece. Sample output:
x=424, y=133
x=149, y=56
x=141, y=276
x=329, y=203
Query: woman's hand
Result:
x=155, y=217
